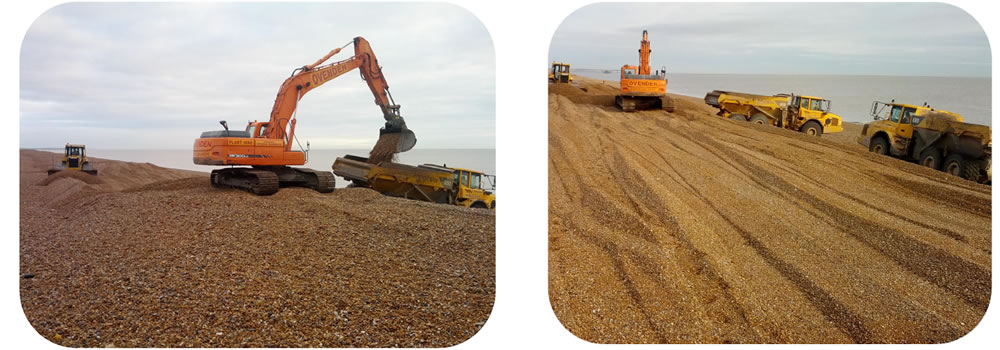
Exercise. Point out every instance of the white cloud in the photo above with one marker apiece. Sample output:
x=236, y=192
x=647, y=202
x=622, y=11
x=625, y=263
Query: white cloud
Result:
x=939, y=39
x=170, y=71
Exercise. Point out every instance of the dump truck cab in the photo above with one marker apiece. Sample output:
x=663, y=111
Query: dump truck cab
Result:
x=894, y=123
x=74, y=159
x=470, y=191
x=559, y=73
x=817, y=109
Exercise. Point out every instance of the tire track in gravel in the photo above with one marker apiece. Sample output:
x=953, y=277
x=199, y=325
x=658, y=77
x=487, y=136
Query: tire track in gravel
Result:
x=834, y=311
x=595, y=202
x=816, y=181
x=661, y=170
x=852, y=322
x=981, y=206
x=694, y=259
x=961, y=277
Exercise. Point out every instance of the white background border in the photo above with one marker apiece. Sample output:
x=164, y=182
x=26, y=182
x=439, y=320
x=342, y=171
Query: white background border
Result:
x=522, y=316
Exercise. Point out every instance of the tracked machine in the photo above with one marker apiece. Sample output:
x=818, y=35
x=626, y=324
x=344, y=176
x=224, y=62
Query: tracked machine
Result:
x=641, y=88
x=261, y=156
x=560, y=73
x=74, y=159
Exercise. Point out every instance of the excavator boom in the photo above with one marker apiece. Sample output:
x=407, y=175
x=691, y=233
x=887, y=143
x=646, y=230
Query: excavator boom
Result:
x=312, y=76
x=644, y=54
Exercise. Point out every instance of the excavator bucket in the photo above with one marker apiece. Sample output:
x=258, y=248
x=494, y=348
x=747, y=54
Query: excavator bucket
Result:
x=407, y=139
x=404, y=138
x=391, y=141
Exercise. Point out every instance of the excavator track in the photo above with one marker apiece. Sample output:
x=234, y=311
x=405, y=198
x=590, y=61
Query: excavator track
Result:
x=323, y=182
x=259, y=182
x=632, y=103
x=264, y=181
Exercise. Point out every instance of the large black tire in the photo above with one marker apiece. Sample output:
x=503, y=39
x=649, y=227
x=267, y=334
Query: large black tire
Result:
x=975, y=170
x=760, y=118
x=955, y=164
x=879, y=146
x=931, y=158
x=738, y=117
x=813, y=128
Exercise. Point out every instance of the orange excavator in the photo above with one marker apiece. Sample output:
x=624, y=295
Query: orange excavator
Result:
x=262, y=154
x=640, y=87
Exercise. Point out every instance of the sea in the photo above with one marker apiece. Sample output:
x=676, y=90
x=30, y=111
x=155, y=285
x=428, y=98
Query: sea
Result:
x=320, y=159
x=851, y=96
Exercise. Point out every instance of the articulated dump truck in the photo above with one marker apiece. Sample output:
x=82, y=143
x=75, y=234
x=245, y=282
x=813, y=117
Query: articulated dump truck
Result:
x=937, y=139
x=810, y=115
x=427, y=182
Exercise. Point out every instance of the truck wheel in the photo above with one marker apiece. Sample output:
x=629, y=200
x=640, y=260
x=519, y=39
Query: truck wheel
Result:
x=931, y=158
x=955, y=165
x=760, y=118
x=813, y=128
x=974, y=171
x=738, y=117
x=880, y=146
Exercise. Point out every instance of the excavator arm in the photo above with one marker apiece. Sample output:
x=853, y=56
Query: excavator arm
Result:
x=644, y=54
x=311, y=76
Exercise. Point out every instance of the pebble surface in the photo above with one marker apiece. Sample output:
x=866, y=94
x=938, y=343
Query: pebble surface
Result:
x=686, y=228
x=168, y=261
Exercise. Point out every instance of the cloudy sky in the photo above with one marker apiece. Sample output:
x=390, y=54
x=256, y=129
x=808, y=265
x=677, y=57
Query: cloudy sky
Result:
x=154, y=76
x=930, y=39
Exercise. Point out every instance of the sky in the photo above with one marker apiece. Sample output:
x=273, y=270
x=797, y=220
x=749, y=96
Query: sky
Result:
x=909, y=39
x=154, y=76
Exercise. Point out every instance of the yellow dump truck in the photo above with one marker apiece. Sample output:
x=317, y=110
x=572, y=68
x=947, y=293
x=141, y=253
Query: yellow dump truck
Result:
x=427, y=182
x=937, y=139
x=808, y=114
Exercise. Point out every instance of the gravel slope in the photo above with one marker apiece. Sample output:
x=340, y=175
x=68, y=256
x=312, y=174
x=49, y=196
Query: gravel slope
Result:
x=683, y=227
x=169, y=261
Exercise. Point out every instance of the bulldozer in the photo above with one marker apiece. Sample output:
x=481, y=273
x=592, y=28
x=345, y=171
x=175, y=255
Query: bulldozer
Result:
x=261, y=156
x=560, y=73
x=640, y=87
x=74, y=159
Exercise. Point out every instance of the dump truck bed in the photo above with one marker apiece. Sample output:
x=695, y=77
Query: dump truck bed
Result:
x=962, y=129
x=424, y=182
x=713, y=99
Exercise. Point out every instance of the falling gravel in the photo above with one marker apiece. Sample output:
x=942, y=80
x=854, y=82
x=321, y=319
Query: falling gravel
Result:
x=686, y=228
x=155, y=257
x=385, y=148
